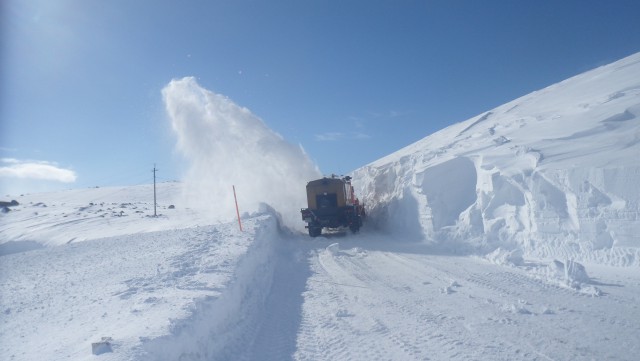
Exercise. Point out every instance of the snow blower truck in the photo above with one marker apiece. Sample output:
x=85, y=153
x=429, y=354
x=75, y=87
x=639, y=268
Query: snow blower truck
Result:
x=332, y=204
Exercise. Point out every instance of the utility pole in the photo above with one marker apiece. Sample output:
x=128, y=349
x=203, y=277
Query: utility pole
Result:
x=237, y=209
x=154, y=190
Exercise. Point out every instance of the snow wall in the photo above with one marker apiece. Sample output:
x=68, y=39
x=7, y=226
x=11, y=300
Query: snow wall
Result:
x=552, y=174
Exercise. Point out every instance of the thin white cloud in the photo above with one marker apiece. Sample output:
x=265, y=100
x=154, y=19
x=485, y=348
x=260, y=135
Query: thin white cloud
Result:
x=391, y=114
x=329, y=137
x=37, y=170
x=335, y=136
x=395, y=113
x=9, y=160
x=358, y=134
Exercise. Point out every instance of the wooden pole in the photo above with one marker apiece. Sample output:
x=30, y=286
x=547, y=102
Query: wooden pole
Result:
x=155, y=203
x=237, y=210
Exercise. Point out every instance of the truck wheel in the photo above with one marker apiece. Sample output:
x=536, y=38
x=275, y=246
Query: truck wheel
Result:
x=355, y=226
x=315, y=231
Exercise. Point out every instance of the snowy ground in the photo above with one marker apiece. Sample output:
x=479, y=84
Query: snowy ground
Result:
x=210, y=292
x=371, y=299
x=511, y=236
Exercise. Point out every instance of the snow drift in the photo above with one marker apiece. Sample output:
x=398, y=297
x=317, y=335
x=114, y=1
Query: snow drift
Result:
x=553, y=174
x=227, y=145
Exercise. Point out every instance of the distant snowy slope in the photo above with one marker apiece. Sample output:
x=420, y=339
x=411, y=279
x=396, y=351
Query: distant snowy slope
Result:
x=554, y=173
x=57, y=218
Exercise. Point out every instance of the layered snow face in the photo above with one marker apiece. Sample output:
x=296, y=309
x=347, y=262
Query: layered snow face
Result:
x=227, y=145
x=553, y=174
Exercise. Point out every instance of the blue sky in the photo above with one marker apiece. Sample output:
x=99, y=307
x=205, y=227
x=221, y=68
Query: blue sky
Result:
x=351, y=81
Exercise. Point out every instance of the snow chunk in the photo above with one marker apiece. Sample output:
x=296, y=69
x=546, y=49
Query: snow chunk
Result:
x=571, y=274
x=516, y=309
x=571, y=271
x=344, y=313
x=447, y=290
x=503, y=257
x=334, y=249
x=103, y=346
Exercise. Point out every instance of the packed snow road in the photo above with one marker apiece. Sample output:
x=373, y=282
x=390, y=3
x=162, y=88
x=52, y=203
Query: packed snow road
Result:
x=372, y=297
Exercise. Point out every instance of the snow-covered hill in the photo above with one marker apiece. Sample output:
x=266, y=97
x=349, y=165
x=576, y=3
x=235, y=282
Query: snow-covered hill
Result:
x=57, y=218
x=511, y=236
x=552, y=174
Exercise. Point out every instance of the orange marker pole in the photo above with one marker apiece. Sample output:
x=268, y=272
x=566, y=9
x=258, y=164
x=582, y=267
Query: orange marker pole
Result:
x=237, y=210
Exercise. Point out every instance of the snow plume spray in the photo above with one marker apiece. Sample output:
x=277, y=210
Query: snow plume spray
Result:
x=227, y=145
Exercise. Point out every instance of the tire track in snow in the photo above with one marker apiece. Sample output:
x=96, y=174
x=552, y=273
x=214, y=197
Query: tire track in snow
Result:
x=364, y=303
x=398, y=342
x=367, y=315
x=512, y=283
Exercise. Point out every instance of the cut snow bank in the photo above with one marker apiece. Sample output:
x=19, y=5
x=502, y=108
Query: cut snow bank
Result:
x=552, y=174
x=219, y=328
x=183, y=294
x=227, y=145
